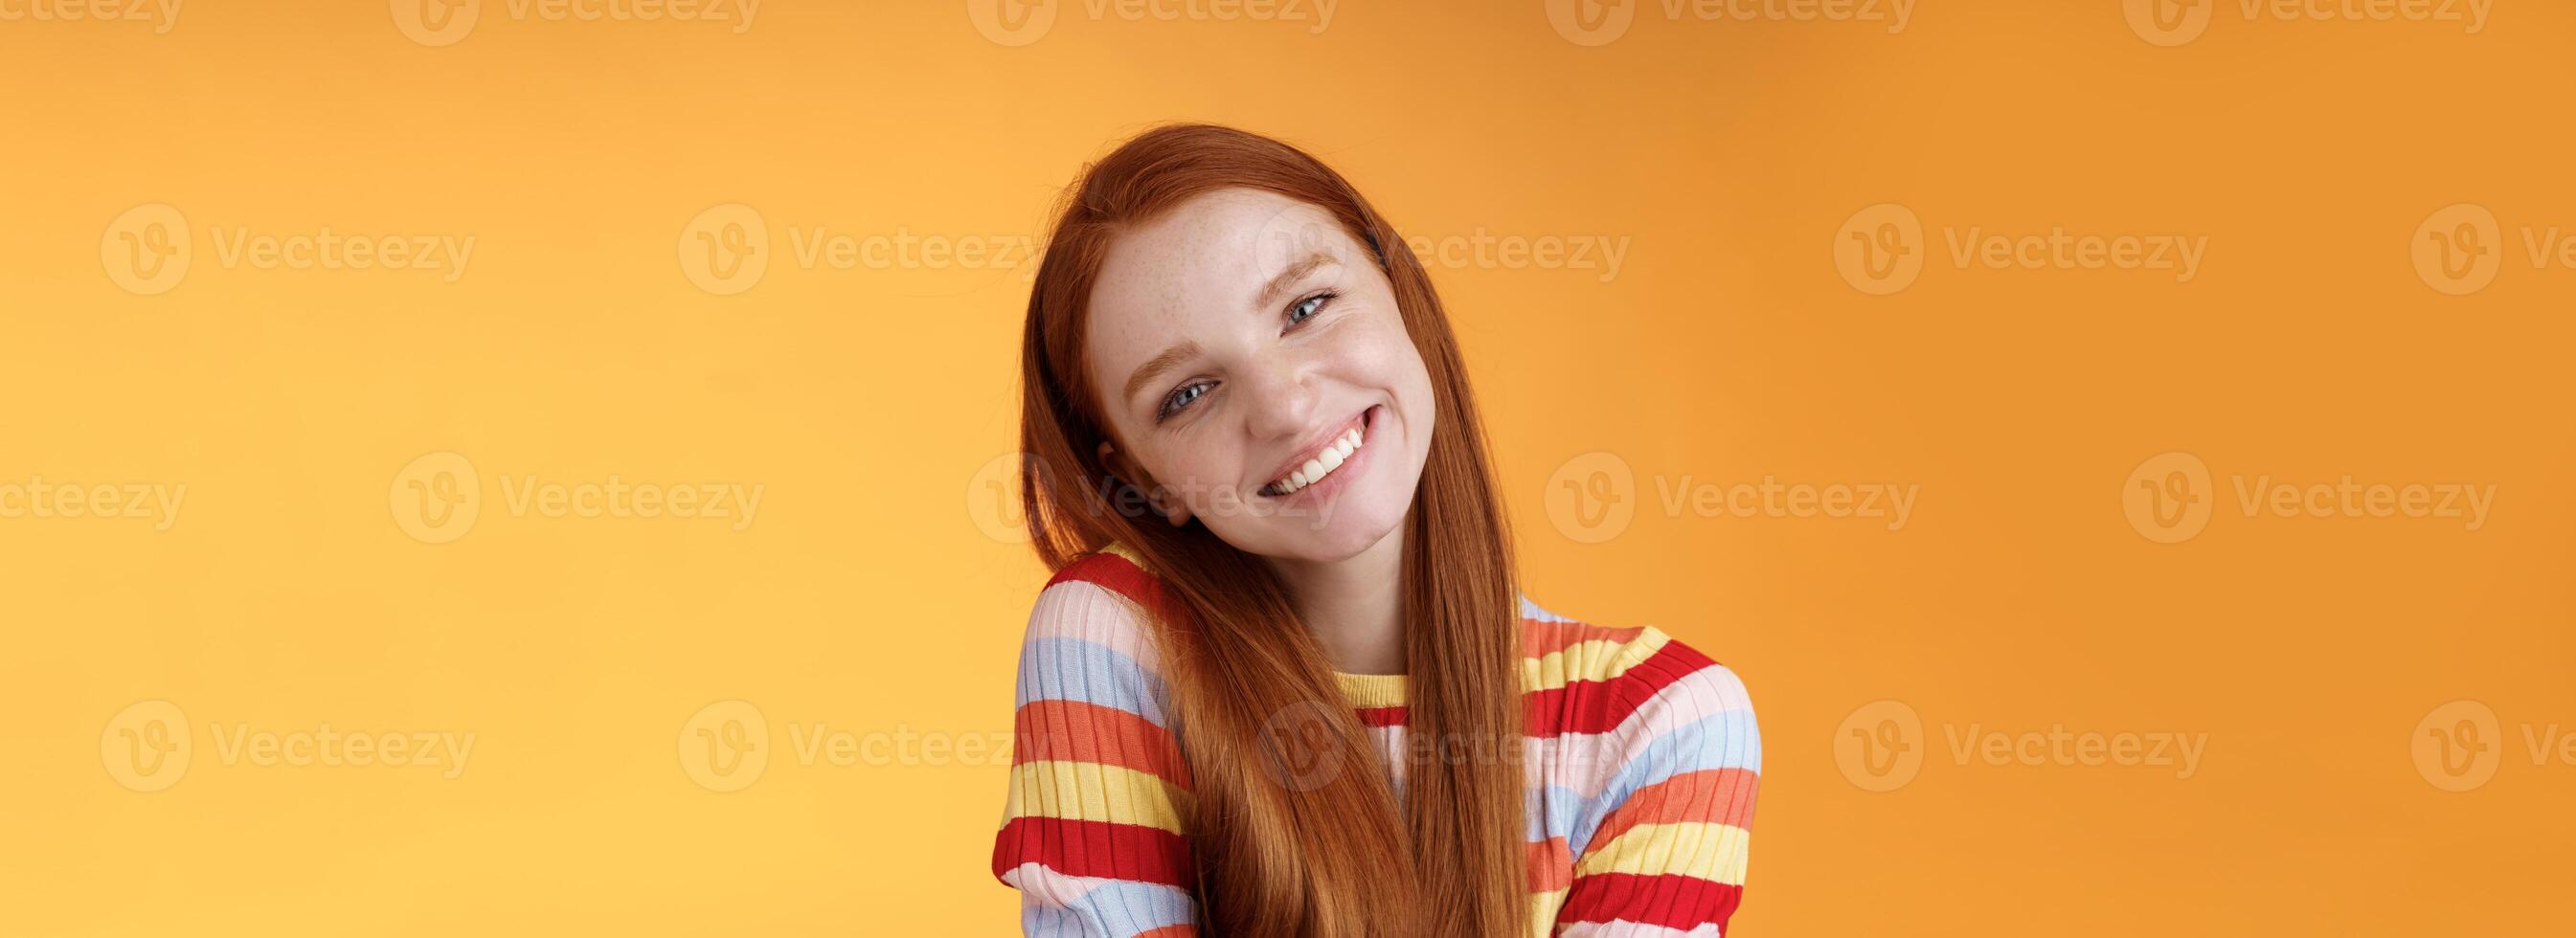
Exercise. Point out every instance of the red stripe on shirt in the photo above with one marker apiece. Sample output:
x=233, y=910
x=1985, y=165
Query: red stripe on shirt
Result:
x=1671, y=900
x=1551, y=865
x=1541, y=638
x=1716, y=796
x=1094, y=848
x=1115, y=573
x=1079, y=731
x=1600, y=706
x=1380, y=716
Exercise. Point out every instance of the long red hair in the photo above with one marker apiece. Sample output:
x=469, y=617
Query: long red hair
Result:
x=1287, y=856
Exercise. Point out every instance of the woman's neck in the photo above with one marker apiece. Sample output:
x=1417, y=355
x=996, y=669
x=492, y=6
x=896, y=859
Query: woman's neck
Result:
x=1355, y=606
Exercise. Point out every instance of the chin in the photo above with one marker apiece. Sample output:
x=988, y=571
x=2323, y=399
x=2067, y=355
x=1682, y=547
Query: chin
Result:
x=1332, y=533
x=1345, y=538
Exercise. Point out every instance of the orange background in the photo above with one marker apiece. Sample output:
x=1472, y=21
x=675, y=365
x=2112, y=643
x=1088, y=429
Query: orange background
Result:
x=868, y=596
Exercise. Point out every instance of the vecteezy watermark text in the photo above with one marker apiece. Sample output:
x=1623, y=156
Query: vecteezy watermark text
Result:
x=993, y=500
x=2169, y=498
x=149, y=746
x=149, y=248
x=1880, y=250
x=2175, y=22
x=447, y=22
x=727, y=249
x=157, y=502
x=727, y=745
x=1486, y=250
x=1021, y=22
x=162, y=14
x=1601, y=22
x=438, y=497
x=1592, y=498
x=1881, y=747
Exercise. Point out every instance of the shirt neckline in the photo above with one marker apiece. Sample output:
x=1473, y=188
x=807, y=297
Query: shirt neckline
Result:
x=1371, y=690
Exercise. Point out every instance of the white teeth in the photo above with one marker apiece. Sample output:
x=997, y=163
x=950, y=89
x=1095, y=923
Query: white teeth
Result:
x=1322, y=465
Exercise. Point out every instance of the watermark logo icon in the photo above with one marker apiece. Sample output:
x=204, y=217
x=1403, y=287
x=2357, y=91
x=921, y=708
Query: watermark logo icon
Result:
x=1879, y=747
x=1600, y=22
x=1879, y=249
x=436, y=23
x=2168, y=498
x=2458, y=249
x=2169, y=22
x=725, y=746
x=993, y=498
x=2458, y=745
x=1592, y=22
x=437, y=497
x=1297, y=748
x=1012, y=22
x=146, y=250
x=1592, y=497
x=146, y=747
x=725, y=250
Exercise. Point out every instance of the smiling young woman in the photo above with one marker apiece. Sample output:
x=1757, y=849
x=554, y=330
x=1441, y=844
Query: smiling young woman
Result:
x=1283, y=681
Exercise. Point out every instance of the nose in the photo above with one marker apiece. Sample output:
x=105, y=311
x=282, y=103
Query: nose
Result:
x=1280, y=399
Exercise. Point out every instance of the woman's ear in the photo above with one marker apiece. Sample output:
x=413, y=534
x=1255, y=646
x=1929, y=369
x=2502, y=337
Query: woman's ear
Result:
x=1162, y=498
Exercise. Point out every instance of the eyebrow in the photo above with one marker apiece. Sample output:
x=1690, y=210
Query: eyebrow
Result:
x=1182, y=351
x=1306, y=265
x=1170, y=358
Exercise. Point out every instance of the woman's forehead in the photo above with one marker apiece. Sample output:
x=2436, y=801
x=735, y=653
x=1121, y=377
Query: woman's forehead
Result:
x=1217, y=241
x=1210, y=256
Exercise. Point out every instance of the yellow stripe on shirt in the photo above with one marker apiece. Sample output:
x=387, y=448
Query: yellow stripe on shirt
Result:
x=1090, y=791
x=1598, y=659
x=1707, y=850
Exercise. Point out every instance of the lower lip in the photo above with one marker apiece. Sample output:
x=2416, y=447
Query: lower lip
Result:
x=1348, y=470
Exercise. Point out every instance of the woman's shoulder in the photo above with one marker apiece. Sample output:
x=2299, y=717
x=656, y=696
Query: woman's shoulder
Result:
x=1114, y=568
x=1088, y=639
x=1604, y=676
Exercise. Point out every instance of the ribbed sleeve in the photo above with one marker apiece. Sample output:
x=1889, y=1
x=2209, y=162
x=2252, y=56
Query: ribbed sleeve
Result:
x=1092, y=829
x=1661, y=850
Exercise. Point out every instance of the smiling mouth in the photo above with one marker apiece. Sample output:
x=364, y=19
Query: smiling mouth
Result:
x=1321, y=465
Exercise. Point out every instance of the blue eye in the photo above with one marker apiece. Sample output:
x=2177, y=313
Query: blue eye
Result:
x=1182, y=397
x=1179, y=398
x=1306, y=309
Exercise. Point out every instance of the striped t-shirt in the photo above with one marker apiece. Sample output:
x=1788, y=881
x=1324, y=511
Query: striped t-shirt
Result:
x=1643, y=762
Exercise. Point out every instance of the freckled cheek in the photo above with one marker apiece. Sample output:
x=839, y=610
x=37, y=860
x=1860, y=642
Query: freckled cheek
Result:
x=1200, y=469
x=1378, y=353
x=1387, y=359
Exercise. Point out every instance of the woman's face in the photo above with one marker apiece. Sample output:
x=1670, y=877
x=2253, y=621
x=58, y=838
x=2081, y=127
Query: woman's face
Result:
x=1252, y=363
